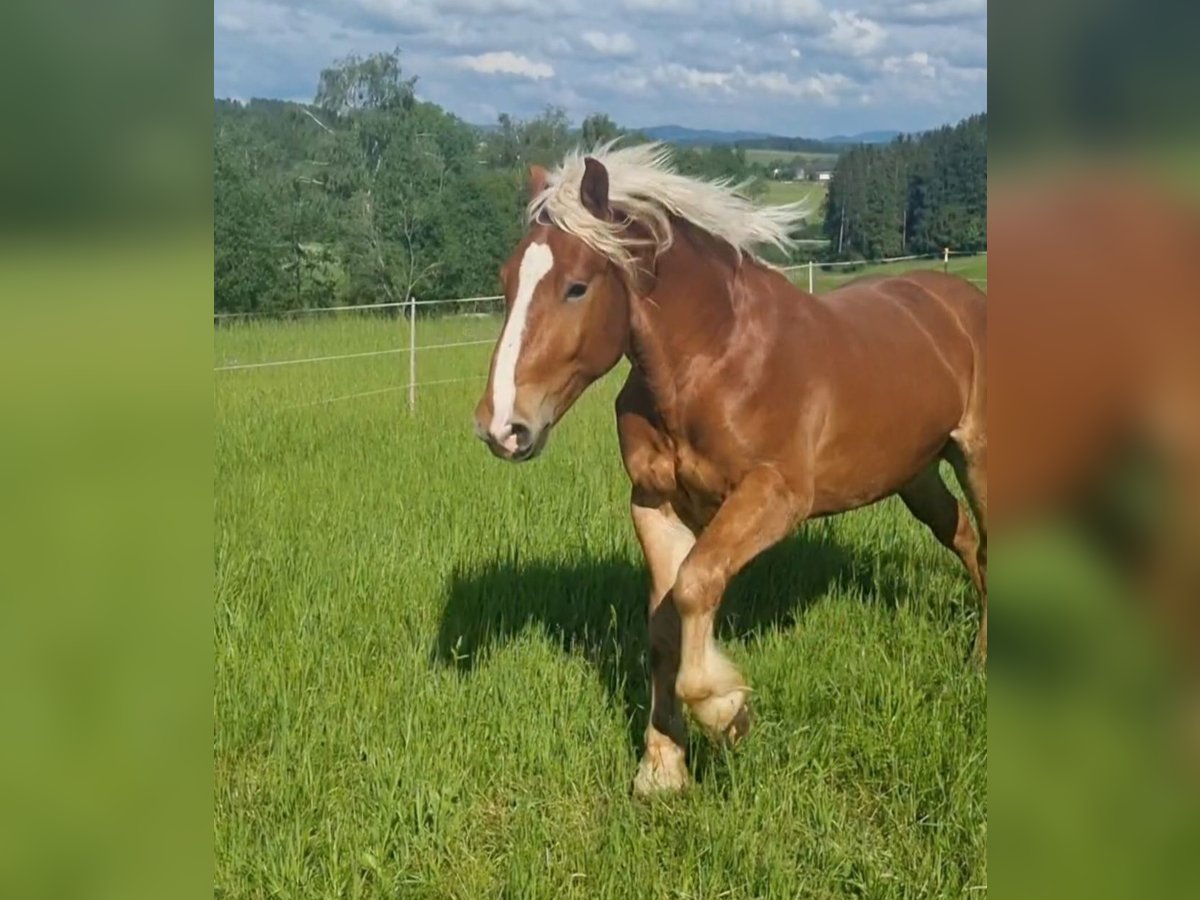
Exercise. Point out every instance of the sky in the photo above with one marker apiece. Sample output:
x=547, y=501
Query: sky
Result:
x=810, y=68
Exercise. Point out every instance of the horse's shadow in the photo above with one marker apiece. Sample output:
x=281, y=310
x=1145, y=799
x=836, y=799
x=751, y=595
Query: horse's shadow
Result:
x=597, y=607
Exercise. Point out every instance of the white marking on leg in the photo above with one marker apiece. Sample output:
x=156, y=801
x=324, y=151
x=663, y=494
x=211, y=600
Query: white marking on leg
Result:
x=535, y=263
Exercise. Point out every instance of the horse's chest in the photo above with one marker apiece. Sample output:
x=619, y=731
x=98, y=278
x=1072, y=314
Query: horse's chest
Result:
x=700, y=488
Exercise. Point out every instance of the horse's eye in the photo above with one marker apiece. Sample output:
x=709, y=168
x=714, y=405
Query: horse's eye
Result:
x=576, y=290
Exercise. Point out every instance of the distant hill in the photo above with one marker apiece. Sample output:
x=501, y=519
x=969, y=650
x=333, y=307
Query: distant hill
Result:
x=865, y=137
x=749, y=140
x=678, y=134
x=682, y=136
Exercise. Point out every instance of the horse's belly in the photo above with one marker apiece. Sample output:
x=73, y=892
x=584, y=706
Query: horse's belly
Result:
x=860, y=465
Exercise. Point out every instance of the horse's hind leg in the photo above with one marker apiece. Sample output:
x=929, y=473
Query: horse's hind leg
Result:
x=968, y=455
x=928, y=498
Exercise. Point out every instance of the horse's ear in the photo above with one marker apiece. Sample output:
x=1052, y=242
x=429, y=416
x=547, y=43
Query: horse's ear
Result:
x=537, y=180
x=593, y=189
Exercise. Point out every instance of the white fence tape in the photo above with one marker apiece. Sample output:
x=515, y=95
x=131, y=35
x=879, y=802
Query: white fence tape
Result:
x=354, y=308
x=491, y=298
x=386, y=390
x=412, y=349
x=312, y=359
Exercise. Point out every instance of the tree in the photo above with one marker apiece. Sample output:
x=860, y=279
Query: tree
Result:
x=247, y=248
x=916, y=194
x=369, y=195
x=518, y=144
x=597, y=129
x=355, y=84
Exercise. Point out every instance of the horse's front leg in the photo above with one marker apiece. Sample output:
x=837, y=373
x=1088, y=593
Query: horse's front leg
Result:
x=665, y=542
x=761, y=511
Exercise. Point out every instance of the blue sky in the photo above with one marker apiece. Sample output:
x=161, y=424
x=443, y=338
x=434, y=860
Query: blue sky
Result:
x=793, y=67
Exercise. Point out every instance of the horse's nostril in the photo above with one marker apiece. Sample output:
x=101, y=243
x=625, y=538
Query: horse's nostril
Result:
x=523, y=435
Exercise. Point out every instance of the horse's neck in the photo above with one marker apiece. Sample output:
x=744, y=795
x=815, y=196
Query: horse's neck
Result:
x=688, y=315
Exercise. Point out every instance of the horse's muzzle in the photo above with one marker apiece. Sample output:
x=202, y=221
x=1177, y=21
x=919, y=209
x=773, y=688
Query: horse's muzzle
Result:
x=513, y=442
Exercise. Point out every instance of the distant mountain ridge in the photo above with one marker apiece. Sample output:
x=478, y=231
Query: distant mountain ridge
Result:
x=865, y=137
x=684, y=136
x=679, y=134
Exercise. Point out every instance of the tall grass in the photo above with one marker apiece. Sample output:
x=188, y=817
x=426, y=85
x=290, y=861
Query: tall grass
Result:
x=431, y=667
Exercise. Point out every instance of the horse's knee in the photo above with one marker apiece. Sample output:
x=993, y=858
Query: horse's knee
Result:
x=697, y=589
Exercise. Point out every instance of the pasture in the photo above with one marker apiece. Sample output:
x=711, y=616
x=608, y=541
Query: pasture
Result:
x=431, y=667
x=811, y=192
x=826, y=279
x=789, y=157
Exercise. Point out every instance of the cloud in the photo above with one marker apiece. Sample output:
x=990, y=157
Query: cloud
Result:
x=473, y=7
x=659, y=6
x=930, y=11
x=676, y=75
x=822, y=87
x=626, y=81
x=787, y=66
x=782, y=12
x=229, y=21
x=854, y=35
x=610, y=45
x=923, y=78
x=916, y=63
x=505, y=62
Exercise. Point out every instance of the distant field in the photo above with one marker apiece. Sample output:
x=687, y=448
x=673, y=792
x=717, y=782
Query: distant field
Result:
x=799, y=157
x=826, y=279
x=431, y=667
x=791, y=191
x=810, y=192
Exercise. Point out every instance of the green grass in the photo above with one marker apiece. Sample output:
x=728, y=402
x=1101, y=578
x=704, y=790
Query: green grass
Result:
x=828, y=278
x=811, y=192
x=431, y=666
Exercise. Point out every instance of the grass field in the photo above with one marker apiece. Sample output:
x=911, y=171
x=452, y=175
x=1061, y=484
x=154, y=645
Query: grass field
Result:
x=431, y=666
x=799, y=157
x=811, y=192
x=826, y=279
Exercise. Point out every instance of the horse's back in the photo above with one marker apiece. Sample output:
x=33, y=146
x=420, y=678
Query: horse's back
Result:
x=930, y=298
x=922, y=323
x=896, y=361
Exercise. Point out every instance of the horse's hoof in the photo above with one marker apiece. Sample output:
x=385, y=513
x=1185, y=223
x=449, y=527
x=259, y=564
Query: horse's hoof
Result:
x=725, y=719
x=978, y=657
x=739, y=727
x=656, y=778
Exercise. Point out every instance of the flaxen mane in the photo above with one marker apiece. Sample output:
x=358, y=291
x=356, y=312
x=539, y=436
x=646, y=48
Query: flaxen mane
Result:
x=644, y=187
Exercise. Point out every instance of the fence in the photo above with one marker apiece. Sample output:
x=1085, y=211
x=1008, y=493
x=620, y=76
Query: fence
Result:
x=807, y=272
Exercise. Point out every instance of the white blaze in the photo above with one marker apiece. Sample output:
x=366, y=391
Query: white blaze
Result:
x=537, y=261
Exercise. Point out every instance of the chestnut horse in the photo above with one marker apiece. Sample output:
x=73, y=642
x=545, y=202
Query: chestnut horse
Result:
x=750, y=406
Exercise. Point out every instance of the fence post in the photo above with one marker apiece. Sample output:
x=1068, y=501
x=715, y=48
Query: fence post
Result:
x=810, y=276
x=945, y=259
x=412, y=353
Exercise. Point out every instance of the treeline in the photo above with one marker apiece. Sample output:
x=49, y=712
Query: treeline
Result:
x=915, y=195
x=790, y=144
x=369, y=195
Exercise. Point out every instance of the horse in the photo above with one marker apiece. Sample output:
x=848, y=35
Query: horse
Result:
x=750, y=405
